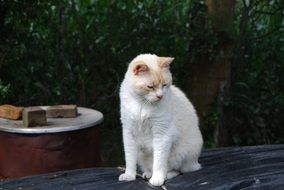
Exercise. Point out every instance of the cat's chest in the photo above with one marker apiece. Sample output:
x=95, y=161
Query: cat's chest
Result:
x=142, y=130
x=138, y=112
x=143, y=135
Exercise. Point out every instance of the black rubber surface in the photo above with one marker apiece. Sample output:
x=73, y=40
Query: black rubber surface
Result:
x=256, y=167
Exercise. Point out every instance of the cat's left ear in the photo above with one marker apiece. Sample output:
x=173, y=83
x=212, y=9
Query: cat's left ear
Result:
x=140, y=67
x=164, y=62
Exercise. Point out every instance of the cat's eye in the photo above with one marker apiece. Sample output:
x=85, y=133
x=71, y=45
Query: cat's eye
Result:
x=164, y=85
x=151, y=87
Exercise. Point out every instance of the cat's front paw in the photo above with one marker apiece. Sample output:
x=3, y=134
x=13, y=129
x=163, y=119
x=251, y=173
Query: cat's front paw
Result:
x=127, y=177
x=157, y=179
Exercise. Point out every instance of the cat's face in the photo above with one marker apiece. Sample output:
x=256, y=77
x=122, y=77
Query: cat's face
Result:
x=151, y=77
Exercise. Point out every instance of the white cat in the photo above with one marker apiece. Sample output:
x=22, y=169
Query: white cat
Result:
x=160, y=126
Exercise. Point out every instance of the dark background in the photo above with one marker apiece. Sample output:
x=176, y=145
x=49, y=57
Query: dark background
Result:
x=228, y=59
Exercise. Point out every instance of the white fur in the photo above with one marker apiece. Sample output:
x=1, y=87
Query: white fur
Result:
x=162, y=137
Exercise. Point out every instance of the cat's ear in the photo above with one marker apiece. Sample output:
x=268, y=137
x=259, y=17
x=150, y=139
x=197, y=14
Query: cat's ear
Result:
x=164, y=62
x=140, y=67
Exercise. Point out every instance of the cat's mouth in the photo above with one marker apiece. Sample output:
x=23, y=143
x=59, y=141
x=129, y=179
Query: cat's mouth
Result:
x=152, y=101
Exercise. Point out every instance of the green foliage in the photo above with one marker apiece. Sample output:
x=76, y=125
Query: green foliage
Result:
x=4, y=91
x=257, y=99
x=252, y=111
x=62, y=51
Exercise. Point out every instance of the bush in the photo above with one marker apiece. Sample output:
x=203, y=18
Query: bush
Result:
x=257, y=100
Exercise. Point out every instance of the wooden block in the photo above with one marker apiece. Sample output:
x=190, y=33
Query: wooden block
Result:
x=65, y=111
x=11, y=112
x=34, y=116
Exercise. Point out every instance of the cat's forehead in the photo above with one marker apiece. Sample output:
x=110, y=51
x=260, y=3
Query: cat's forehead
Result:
x=151, y=60
x=159, y=77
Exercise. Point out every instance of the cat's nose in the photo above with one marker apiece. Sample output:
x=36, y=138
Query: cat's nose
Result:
x=159, y=97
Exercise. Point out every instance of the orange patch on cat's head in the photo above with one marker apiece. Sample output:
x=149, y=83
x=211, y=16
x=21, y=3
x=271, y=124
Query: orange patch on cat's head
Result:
x=148, y=69
x=158, y=77
x=162, y=74
x=164, y=62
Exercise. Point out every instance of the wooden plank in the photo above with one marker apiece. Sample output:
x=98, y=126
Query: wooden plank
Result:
x=11, y=112
x=64, y=111
x=34, y=116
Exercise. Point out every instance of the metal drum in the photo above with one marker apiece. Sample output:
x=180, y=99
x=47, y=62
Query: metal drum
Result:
x=65, y=143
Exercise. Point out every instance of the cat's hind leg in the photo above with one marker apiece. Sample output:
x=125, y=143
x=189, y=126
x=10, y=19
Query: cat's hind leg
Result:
x=190, y=162
x=172, y=174
x=147, y=174
x=190, y=165
x=145, y=162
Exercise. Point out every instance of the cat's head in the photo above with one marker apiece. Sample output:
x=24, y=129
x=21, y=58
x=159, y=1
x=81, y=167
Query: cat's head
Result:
x=150, y=76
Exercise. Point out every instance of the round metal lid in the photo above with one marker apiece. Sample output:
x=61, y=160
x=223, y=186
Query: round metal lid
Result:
x=86, y=118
